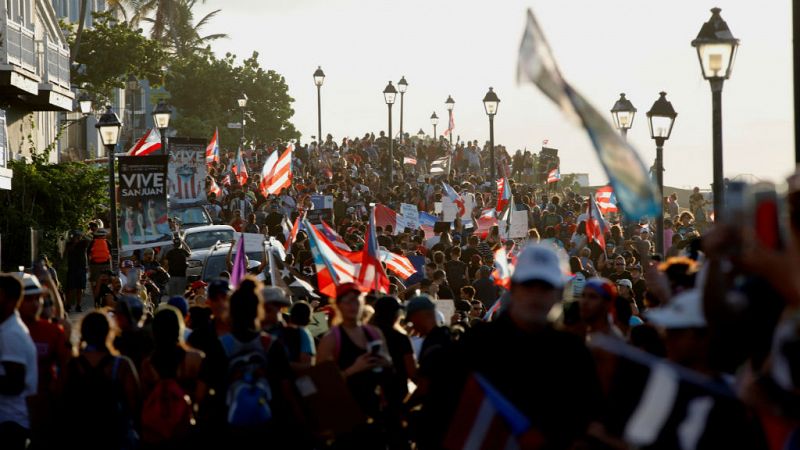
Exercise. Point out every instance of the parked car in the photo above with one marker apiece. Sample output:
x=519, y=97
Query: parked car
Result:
x=190, y=216
x=216, y=256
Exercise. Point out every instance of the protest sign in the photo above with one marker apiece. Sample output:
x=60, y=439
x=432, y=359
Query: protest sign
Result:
x=411, y=214
x=518, y=227
x=322, y=201
x=143, y=202
x=187, y=171
x=447, y=308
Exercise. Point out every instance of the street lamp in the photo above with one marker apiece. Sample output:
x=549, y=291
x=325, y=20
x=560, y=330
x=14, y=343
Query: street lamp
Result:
x=389, y=94
x=661, y=118
x=402, y=87
x=161, y=117
x=420, y=135
x=490, y=104
x=109, y=127
x=434, y=122
x=623, y=113
x=85, y=104
x=319, y=78
x=716, y=50
x=242, y=105
x=450, y=104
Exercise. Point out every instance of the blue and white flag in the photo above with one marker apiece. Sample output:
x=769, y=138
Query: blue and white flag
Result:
x=637, y=195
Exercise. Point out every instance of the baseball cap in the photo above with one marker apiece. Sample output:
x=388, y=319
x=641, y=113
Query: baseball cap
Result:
x=180, y=303
x=272, y=294
x=30, y=284
x=127, y=264
x=602, y=286
x=685, y=310
x=625, y=282
x=198, y=284
x=219, y=286
x=419, y=303
x=131, y=307
x=538, y=262
x=346, y=288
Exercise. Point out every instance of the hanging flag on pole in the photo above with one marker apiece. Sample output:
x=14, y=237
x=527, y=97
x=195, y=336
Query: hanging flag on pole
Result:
x=440, y=166
x=455, y=197
x=503, y=194
x=596, y=227
x=212, y=150
x=149, y=143
x=281, y=176
x=554, y=176
x=628, y=175
x=266, y=172
x=451, y=126
x=398, y=264
x=372, y=276
x=606, y=200
x=214, y=188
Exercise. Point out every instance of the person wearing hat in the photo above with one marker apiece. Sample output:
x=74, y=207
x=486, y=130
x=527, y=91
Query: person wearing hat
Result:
x=562, y=397
x=125, y=268
x=77, y=267
x=197, y=293
x=19, y=376
x=596, y=305
x=99, y=255
x=275, y=301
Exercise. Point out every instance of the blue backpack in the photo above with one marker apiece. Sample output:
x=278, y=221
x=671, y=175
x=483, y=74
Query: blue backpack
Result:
x=249, y=393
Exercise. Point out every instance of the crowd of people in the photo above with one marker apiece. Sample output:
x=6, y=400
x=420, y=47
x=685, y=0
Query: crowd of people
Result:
x=582, y=345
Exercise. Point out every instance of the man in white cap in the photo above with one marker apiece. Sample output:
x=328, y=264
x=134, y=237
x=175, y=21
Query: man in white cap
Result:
x=556, y=388
x=19, y=370
x=685, y=330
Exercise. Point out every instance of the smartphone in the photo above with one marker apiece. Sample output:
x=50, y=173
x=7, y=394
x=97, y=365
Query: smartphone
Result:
x=766, y=216
x=374, y=347
x=737, y=206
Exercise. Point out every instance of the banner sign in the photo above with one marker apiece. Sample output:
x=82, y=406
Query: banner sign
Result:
x=143, y=202
x=316, y=216
x=322, y=201
x=411, y=214
x=187, y=171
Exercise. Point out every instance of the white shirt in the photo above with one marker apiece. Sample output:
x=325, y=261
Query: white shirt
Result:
x=17, y=346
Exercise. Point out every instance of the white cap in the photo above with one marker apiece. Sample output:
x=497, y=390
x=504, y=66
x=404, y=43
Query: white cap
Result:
x=625, y=282
x=685, y=310
x=538, y=262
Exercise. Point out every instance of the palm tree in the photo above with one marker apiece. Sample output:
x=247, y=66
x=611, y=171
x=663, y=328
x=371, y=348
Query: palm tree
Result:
x=182, y=35
x=118, y=5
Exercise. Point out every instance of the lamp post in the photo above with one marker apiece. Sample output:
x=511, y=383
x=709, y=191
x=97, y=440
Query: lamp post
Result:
x=389, y=94
x=450, y=104
x=402, y=87
x=85, y=104
x=661, y=118
x=490, y=104
x=161, y=117
x=319, y=78
x=133, y=86
x=434, y=122
x=420, y=135
x=109, y=127
x=716, y=50
x=242, y=105
x=623, y=113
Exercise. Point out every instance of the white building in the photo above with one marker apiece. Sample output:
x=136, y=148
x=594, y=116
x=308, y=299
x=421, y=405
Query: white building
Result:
x=34, y=80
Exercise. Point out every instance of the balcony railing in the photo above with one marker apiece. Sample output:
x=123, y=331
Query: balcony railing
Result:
x=53, y=63
x=21, y=46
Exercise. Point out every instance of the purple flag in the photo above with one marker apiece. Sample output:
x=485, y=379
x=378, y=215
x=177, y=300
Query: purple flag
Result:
x=239, y=263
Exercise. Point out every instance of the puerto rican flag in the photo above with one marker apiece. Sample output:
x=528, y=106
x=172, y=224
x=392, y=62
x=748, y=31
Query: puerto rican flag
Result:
x=239, y=168
x=410, y=160
x=333, y=269
x=485, y=419
x=502, y=269
x=266, y=173
x=426, y=223
x=333, y=236
x=214, y=188
x=212, y=150
x=281, y=175
x=227, y=180
x=451, y=126
x=371, y=276
x=455, y=198
x=149, y=143
x=398, y=264
x=554, y=175
x=503, y=194
x=298, y=225
x=596, y=227
x=606, y=200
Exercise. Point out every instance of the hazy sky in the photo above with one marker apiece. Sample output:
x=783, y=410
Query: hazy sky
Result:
x=461, y=47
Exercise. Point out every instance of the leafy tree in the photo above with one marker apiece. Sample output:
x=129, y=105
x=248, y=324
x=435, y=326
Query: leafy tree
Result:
x=222, y=82
x=52, y=198
x=183, y=36
x=111, y=52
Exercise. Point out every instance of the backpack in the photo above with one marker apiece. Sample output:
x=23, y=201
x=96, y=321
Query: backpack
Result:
x=166, y=412
x=99, y=252
x=249, y=393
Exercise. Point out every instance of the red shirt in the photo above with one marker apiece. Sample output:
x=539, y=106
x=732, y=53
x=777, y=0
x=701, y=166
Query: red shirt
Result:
x=50, y=340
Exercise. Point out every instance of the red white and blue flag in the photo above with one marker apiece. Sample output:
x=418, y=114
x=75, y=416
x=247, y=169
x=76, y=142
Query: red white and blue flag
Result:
x=410, y=160
x=226, y=181
x=298, y=225
x=455, y=197
x=371, y=276
x=485, y=419
x=240, y=168
x=503, y=194
x=214, y=188
x=554, y=175
x=333, y=269
x=451, y=126
x=333, y=236
x=596, y=227
x=398, y=264
x=266, y=173
x=502, y=269
x=212, y=150
x=149, y=143
x=281, y=174
x=606, y=200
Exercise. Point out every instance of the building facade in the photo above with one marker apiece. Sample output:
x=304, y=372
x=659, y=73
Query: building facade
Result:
x=34, y=81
